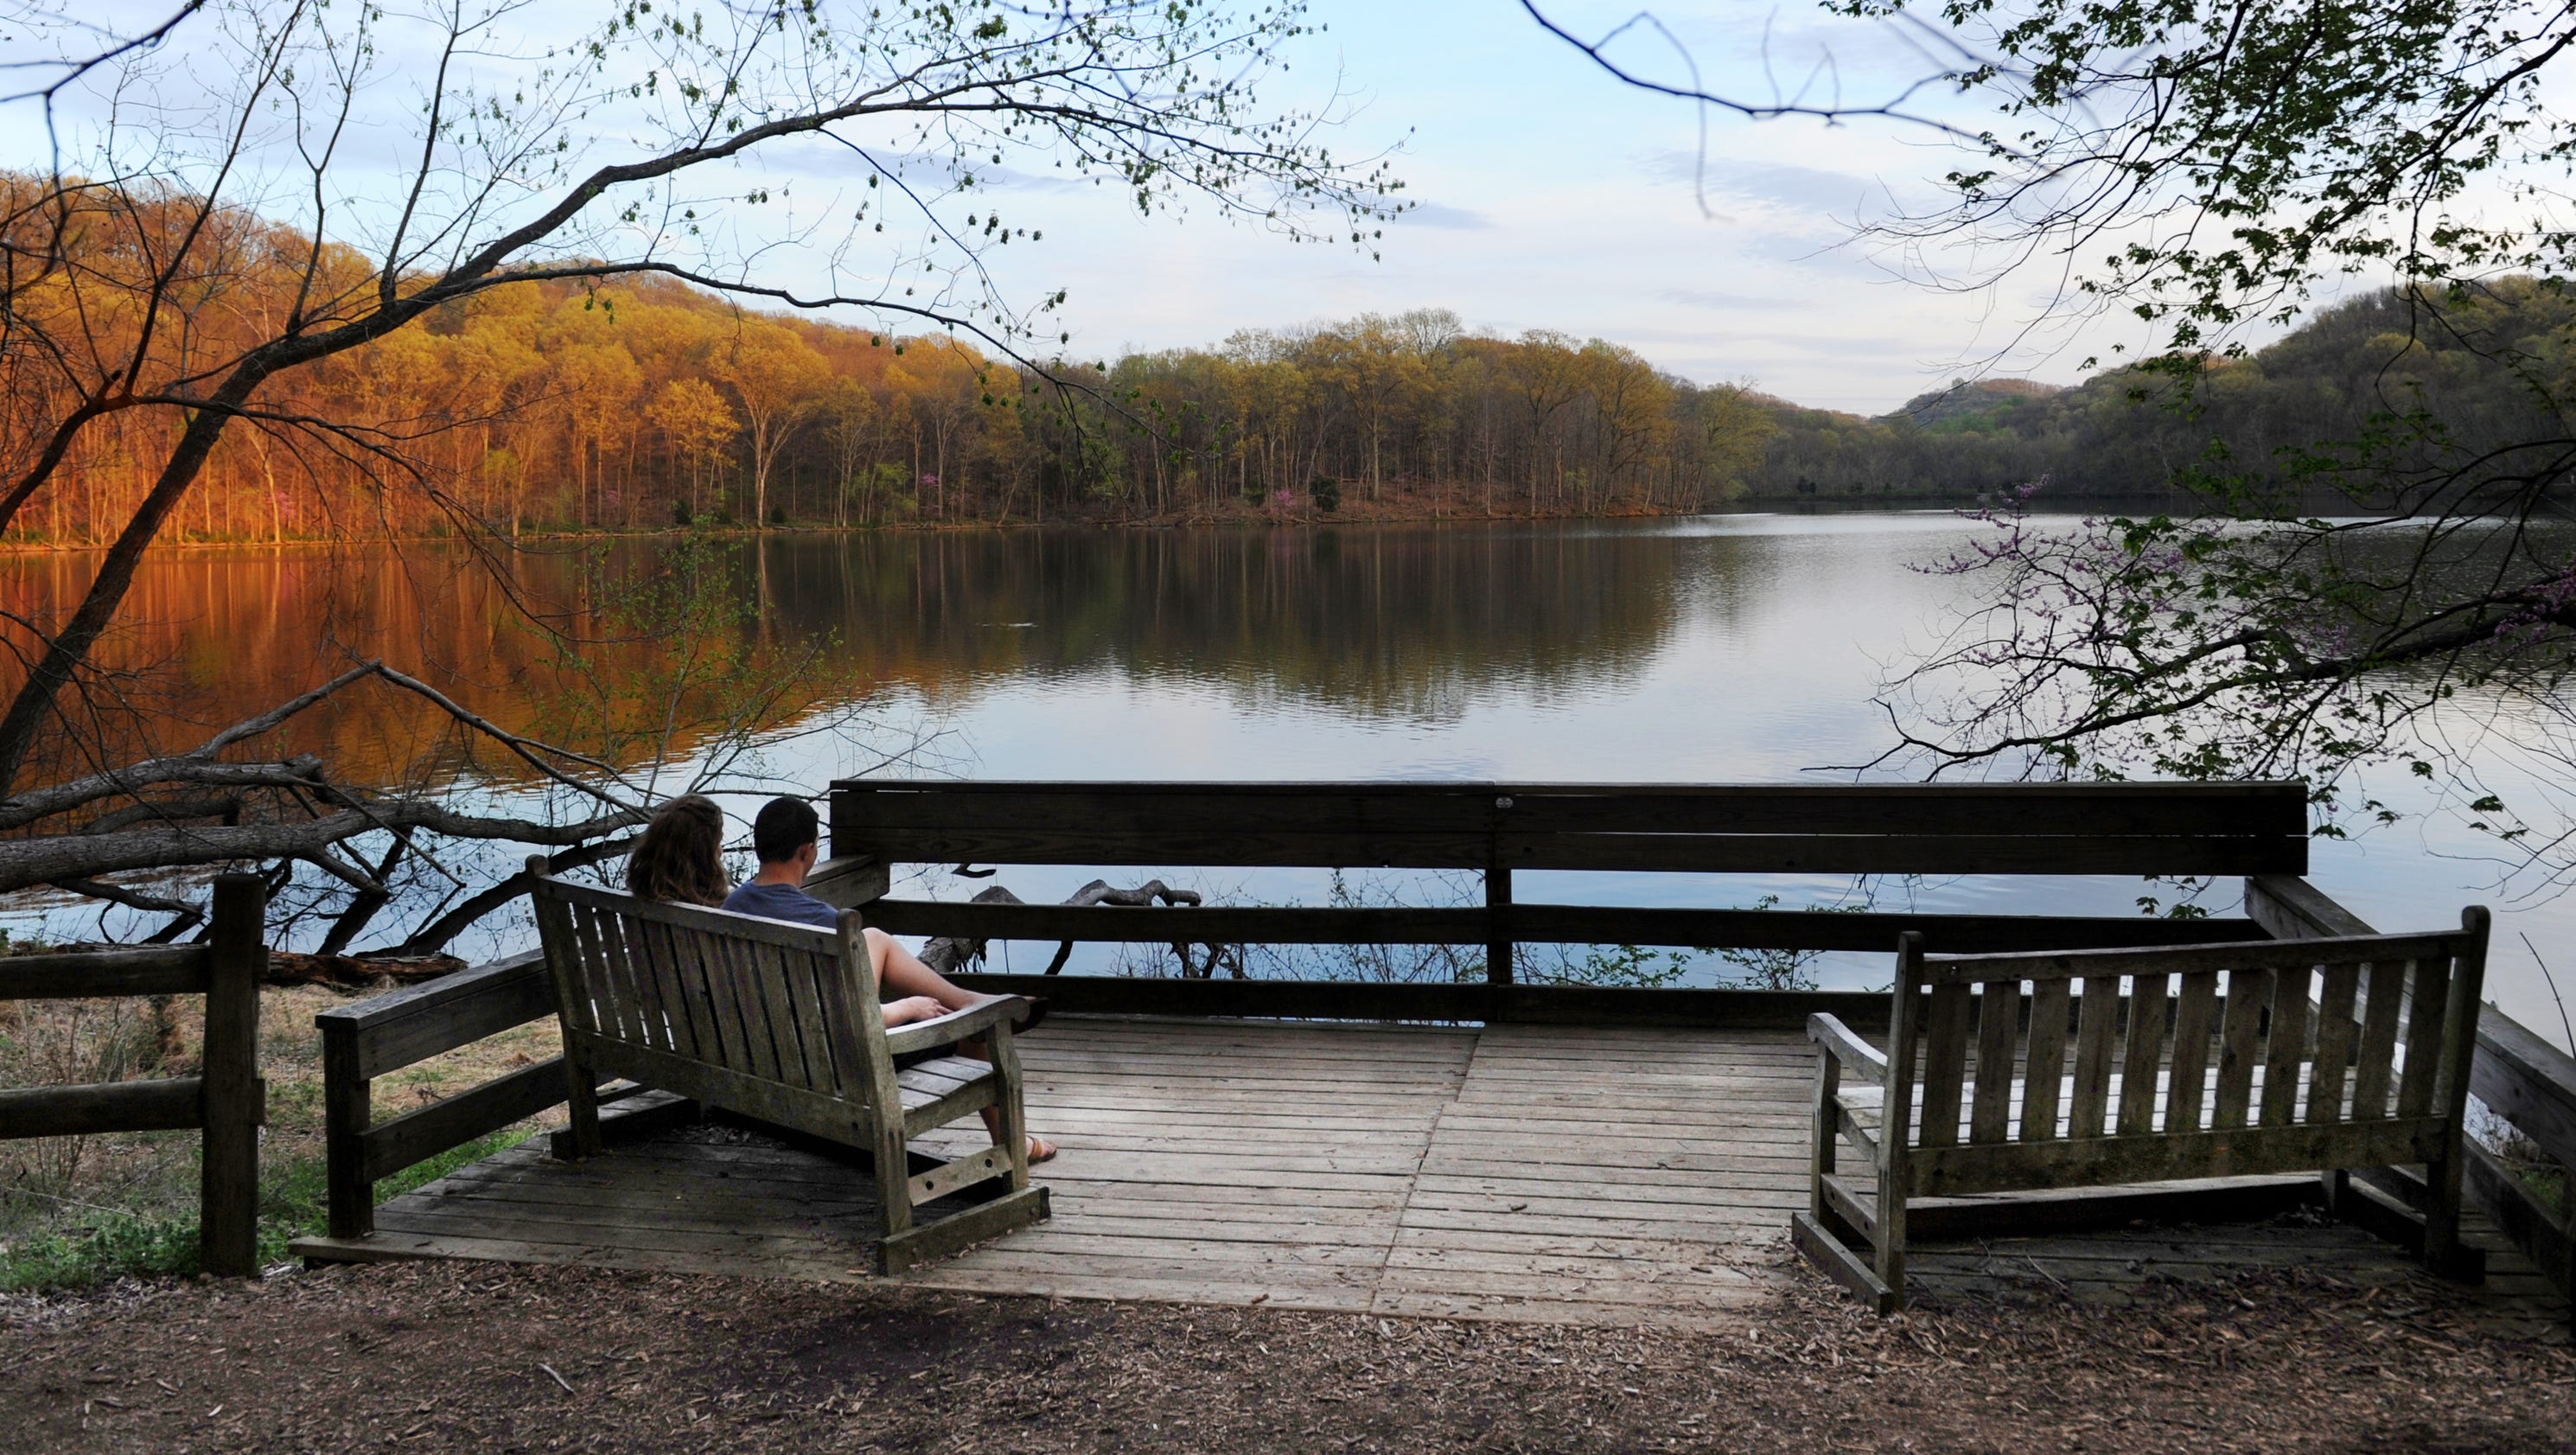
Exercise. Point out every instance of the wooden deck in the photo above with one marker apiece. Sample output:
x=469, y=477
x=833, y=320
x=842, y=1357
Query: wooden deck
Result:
x=1554, y=1173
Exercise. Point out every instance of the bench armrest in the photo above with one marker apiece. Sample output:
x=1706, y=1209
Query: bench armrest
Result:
x=1835, y=1039
x=957, y=1025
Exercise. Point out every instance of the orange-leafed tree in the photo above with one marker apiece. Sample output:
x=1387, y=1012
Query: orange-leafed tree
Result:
x=207, y=238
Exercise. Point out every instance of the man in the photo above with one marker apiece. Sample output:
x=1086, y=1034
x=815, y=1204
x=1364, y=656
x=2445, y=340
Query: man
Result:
x=786, y=836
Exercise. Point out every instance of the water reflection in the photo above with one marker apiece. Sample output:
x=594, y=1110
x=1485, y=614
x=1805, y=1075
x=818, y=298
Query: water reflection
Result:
x=1409, y=623
x=1405, y=622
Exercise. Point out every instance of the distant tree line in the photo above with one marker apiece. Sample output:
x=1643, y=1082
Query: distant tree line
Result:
x=645, y=403
x=641, y=402
x=2454, y=376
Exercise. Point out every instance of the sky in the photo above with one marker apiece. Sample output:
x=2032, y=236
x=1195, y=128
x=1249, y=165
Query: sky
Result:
x=1548, y=195
x=1551, y=196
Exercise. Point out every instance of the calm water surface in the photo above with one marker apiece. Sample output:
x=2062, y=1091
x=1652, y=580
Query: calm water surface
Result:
x=1740, y=648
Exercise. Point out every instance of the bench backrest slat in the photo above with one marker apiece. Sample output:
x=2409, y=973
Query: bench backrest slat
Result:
x=2194, y=1025
x=1945, y=1062
x=1894, y=828
x=2430, y=989
x=2375, y=1059
x=2051, y=1011
x=2204, y=1060
x=2285, y=1045
x=1999, y=1010
x=2336, y=1033
x=2094, y=1041
x=2249, y=1003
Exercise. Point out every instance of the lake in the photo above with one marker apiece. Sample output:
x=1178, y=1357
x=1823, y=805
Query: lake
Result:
x=1732, y=648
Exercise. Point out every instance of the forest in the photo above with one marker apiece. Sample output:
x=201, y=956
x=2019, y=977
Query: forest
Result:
x=2422, y=384
x=575, y=405
x=644, y=403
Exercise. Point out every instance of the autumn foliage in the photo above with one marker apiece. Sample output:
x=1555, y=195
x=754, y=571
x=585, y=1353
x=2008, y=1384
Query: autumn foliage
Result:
x=645, y=403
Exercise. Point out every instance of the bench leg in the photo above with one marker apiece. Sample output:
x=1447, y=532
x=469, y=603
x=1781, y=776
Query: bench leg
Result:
x=1837, y=1261
x=1825, y=1142
x=2444, y=1253
x=957, y=1231
x=894, y=1178
x=581, y=1097
x=1011, y=1119
x=1890, y=1262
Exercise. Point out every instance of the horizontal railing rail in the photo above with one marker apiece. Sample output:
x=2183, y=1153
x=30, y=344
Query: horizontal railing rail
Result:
x=1500, y=828
x=2088, y=810
x=1541, y=924
x=226, y=1102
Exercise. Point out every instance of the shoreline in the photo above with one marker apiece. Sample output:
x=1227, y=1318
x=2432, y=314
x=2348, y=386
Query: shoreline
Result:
x=1361, y=515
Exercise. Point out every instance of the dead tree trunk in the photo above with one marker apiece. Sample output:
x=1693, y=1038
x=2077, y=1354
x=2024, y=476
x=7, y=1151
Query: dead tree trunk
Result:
x=950, y=954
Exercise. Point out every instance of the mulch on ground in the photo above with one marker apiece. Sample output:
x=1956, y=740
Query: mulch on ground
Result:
x=461, y=1356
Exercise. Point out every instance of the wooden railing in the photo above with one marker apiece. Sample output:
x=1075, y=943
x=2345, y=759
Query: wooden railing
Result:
x=226, y=1102
x=377, y=1037
x=1499, y=830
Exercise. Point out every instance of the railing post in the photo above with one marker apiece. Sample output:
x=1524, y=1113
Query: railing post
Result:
x=1498, y=902
x=234, y=1100
x=347, y=1109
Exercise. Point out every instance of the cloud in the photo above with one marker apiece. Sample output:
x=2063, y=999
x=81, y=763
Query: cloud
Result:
x=1441, y=215
x=1697, y=298
x=1784, y=183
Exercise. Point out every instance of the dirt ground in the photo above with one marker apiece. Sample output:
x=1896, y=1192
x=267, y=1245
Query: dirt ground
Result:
x=486, y=1357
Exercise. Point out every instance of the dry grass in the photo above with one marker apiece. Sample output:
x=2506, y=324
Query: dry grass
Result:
x=74, y=1209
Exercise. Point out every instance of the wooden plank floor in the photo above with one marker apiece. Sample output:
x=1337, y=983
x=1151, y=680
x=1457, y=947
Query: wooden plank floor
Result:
x=1553, y=1173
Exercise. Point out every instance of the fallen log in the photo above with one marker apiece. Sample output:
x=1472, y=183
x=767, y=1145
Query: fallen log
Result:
x=285, y=967
x=949, y=954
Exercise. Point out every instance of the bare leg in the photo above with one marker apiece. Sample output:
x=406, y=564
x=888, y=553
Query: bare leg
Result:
x=901, y=973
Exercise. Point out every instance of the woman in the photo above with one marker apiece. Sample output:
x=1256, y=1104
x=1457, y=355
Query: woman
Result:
x=679, y=859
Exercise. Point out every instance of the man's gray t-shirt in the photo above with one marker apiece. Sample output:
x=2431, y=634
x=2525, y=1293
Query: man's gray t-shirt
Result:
x=783, y=902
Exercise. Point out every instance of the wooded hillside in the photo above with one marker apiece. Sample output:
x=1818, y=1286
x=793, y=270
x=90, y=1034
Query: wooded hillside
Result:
x=2455, y=380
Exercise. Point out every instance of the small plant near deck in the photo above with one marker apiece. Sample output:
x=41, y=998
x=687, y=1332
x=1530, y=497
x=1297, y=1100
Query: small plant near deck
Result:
x=1635, y=968
x=1628, y=967
x=2544, y=1176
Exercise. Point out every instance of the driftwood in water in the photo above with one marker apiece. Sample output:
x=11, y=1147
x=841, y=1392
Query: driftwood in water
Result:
x=949, y=954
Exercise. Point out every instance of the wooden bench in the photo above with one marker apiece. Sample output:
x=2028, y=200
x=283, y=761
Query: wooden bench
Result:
x=1500, y=830
x=2010, y=1073
x=781, y=1022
